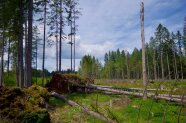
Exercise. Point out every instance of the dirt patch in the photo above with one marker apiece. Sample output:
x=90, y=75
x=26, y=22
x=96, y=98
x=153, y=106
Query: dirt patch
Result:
x=124, y=101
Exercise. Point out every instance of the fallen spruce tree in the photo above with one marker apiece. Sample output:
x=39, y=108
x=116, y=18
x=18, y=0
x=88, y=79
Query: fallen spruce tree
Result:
x=66, y=83
x=63, y=83
x=24, y=106
x=174, y=98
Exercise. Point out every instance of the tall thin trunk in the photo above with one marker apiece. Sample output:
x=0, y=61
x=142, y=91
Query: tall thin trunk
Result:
x=162, y=65
x=168, y=66
x=26, y=47
x=57, y=42
x=143, y=52
x=36, y=58
x=44, y=40
x=57, y=56
x=175, y=64
x=2, y=59
x=127, y=65
x=20, y=46
x=29, y=48
x=181, y=67
x=60, y=36
x=154, y=62
x=71, y=45
x=8, y=61
x=158, y=72
x=148, y=67
x=74, y=38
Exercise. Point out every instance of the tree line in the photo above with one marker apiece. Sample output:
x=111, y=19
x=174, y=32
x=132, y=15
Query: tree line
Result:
x=20, y=36
x=165, y=59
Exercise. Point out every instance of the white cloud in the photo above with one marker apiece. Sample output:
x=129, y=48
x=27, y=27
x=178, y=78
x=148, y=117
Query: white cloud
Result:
x=110, y=24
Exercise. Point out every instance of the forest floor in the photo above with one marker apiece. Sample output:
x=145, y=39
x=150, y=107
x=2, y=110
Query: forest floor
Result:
x=121, y=108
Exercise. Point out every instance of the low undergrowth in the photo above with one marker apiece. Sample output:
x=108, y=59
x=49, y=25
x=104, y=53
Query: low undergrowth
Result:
x=120, y=108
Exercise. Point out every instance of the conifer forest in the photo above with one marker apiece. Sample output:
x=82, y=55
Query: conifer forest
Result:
x=87, y=61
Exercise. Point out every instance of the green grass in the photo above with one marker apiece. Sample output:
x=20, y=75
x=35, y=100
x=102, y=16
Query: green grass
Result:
x=38, y=80
x=124, y=109
x=10, y=80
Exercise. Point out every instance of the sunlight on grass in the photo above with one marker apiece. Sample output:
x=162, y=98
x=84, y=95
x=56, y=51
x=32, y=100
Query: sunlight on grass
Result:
x=123, y=109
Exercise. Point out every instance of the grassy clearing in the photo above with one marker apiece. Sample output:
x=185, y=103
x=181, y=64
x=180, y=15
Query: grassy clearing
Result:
x=121, y=108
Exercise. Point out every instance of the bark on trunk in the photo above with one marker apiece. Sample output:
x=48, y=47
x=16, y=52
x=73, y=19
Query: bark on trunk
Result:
x=60, y=36
x=168, y=66
x=44, y=41
x=74, y=37
x=2, y=59
x=29, y=48
x=154, y=62
x=127, y=65
x=26, y=48
x=8, y=61
x=175, y=98
x=143, y=52
x=57, y=56
x=175, y=64
x=162, y=64
x=20, y=47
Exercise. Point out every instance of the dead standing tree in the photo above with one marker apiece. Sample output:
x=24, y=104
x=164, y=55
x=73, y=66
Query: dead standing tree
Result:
x=143, y=51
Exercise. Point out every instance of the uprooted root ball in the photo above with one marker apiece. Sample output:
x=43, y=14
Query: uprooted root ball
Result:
x=65, y=83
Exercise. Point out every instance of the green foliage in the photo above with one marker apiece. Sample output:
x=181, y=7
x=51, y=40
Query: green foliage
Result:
x=165, y=59
x=90, y=67
x=37, y=117
x=10, y=79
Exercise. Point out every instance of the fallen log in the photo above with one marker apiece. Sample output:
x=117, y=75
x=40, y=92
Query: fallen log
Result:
x=86, y=110
x=131, y=89
x=174, y=98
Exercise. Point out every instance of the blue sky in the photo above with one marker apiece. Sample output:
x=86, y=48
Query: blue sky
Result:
x=111, y=24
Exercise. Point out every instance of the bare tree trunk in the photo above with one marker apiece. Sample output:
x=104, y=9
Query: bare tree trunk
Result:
x=44, y=41
x=71, y=45
x=154, y=62
x=143, y=52
x=60, y=36
x=181, y=67
x=74, y=37
x=158, y=72
x=175, y=64
x=36, y=57
x=127, y=64
x=168, y=66
x=57, y=46
x=175, y=98
x=148, y=68
x=26, y=47
x=2, y=59
x=29, y=48
x=8, y=64
x=20, y=46
x=162, y=65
